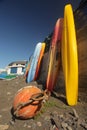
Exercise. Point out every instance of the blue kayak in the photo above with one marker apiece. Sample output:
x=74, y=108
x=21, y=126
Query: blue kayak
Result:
x=34, y=62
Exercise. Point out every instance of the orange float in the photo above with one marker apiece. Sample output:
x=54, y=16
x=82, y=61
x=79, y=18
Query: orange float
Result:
x=24, y=105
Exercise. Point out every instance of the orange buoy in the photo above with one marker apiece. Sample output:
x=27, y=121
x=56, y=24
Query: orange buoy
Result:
x=23, y=105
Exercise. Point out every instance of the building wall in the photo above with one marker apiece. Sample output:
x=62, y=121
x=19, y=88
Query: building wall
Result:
x=16, y=67
x=15, y=70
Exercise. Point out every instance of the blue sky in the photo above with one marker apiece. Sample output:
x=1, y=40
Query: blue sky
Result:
x=24, y=23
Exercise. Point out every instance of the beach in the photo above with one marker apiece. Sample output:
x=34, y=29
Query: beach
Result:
x=54, y=115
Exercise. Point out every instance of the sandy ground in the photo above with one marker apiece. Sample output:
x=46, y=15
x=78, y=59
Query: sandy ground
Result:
x=56, y=115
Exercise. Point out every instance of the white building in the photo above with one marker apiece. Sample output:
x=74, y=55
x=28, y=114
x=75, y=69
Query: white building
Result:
x=16, y=67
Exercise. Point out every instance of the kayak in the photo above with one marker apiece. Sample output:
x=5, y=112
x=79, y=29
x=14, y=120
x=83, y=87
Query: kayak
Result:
x=54, y=53
x=70, y=56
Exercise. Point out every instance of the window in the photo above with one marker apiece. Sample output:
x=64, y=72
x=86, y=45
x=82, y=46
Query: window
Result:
x=14, y=70
x=23, y=69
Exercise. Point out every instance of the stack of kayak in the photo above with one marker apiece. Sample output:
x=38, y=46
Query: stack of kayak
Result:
x=44, y=65
x=52, y=49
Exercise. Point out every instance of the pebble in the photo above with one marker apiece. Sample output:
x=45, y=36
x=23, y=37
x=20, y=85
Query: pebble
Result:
x=8, y=93
x=11, y=122
x=0, y=116
x=4, y=127
x=25, y=125
x=28, y=126
x=33, y=126
x=39, y=124
x=47, y=118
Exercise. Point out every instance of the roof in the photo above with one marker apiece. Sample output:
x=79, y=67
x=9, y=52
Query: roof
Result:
x=17, y=62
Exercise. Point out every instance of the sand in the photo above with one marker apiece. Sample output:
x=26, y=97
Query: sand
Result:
x=54, y=115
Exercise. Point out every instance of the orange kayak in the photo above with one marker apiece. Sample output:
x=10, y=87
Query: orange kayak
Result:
x=39, y=61
x=54, y=62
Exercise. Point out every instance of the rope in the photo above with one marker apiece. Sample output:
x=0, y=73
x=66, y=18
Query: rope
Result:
x=43, y=96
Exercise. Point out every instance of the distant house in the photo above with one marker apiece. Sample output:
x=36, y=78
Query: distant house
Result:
x=2, y=70
x=16, y=67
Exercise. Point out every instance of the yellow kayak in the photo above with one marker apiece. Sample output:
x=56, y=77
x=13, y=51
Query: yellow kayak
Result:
x=70, y=56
